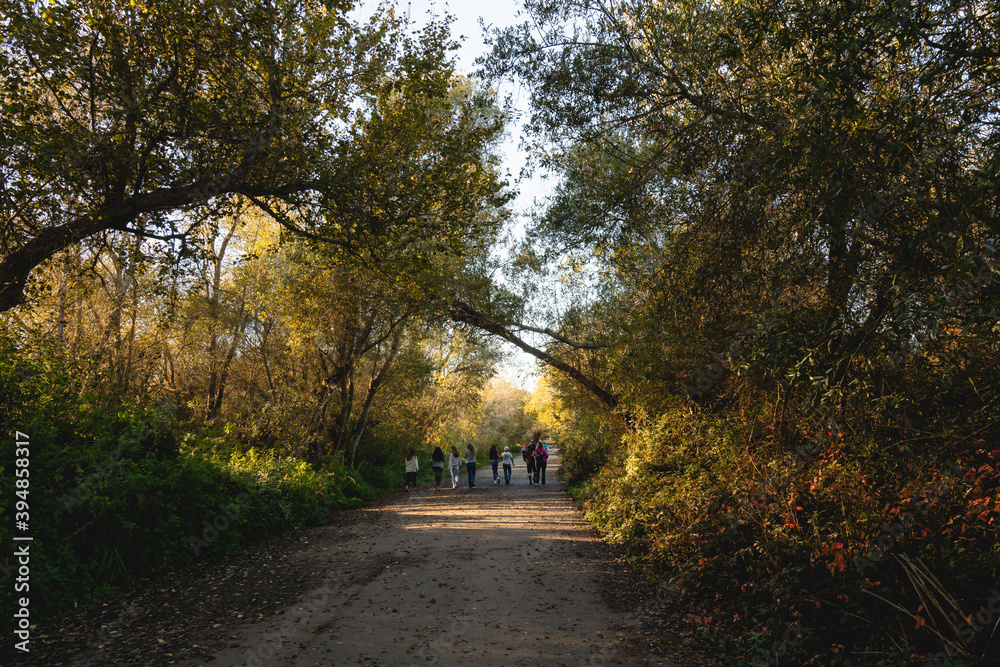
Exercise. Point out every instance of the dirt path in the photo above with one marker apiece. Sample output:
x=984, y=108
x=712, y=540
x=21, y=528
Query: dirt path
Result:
x=495, y=575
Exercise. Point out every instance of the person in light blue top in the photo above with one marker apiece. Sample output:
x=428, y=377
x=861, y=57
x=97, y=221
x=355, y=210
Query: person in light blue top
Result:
x=494, y=462
x=455, y=463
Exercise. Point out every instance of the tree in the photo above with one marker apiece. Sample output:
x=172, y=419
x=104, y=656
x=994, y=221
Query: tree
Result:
x=505, y=418
x=460, y=363
x=719, y=157
x=153, y=119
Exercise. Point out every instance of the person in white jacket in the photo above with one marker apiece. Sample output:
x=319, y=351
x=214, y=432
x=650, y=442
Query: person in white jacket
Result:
x=412, y=466
x=455, y=463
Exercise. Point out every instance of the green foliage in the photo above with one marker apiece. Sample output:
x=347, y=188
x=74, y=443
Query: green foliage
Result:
x=713, y=508
x=790, y=211
x=275, y=345
x=117, y=495
x=583, y=454
x=361, y=128
x=503, y=418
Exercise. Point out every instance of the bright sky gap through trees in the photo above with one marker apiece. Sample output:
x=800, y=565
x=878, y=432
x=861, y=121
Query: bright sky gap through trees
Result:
x=519, y=367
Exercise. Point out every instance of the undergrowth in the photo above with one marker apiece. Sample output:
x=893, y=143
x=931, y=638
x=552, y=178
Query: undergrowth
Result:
x=807, y=541
x=120, y=492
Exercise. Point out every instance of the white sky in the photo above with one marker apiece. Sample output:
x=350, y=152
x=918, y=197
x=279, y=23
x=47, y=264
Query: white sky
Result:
x=496, y=13
x=520, y=369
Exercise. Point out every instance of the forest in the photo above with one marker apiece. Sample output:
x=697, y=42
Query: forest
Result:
x=260, y=250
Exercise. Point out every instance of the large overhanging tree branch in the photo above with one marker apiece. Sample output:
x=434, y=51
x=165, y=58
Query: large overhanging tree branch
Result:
x=460, y=311
x=16, y=266
x=125, y=117
x=122, y=114
x=709, y=164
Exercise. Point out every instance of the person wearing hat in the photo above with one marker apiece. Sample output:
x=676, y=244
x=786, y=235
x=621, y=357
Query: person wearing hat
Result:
x=508, y=464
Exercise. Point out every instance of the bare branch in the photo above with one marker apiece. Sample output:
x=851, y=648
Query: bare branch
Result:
x=559, y=337
x=460, y=311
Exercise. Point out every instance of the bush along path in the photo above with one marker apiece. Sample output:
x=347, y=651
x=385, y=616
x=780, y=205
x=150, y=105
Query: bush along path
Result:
x=507, y=575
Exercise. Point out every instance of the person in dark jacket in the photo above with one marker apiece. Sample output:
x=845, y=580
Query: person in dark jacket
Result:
x=495, y=463
x=437, y=463
x=528, y=454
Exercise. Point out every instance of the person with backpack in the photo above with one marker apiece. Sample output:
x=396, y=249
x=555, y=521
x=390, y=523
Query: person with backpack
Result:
x=528, y=454
x=541, y=461
x=437, y=463
x=454, y=464
x=508, y=465
x=412, y=466
x=495, y=462
x=470, y=463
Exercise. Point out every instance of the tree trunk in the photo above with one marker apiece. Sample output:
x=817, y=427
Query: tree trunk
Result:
x=265, y=332
x=214, y=296
x=373, y=386
x=346, y=405
x=224, y=371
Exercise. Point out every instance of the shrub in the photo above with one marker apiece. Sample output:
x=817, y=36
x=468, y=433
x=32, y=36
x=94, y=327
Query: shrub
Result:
x=117, y=494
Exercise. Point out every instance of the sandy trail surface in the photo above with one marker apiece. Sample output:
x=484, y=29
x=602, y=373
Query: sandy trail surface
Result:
x=495, y=575
x=492, y=575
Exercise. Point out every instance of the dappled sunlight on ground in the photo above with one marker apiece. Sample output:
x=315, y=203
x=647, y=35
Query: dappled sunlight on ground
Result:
x=504, y=575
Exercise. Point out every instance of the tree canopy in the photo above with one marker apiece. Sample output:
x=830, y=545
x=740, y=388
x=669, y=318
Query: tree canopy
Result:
x=716, y=158
x=786, y=216
x=155, y=118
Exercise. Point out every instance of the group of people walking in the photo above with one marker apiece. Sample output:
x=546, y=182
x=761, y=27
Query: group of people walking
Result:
x=535, y=455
